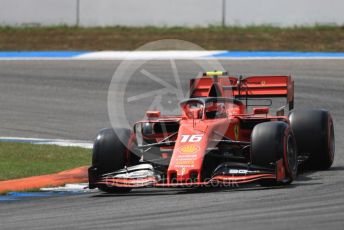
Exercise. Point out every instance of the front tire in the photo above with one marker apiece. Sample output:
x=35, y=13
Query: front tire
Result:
x=270, y=142
x=110, y=153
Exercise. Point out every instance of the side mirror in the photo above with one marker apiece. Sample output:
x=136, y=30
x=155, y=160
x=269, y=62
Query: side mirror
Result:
x=153, y=114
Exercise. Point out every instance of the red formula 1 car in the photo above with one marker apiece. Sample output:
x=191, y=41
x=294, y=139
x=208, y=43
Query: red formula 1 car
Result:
x=216, y=141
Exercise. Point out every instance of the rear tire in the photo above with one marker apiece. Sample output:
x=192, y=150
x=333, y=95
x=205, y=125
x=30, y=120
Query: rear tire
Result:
x=314, y=134
x=110, y=154
x=270, y=142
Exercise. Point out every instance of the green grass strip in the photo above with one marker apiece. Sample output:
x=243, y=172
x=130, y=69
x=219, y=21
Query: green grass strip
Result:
x=19, y=160
x=254, y=38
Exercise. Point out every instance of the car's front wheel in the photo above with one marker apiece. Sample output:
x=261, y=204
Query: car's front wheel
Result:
x=270, y=142
x=110, y=153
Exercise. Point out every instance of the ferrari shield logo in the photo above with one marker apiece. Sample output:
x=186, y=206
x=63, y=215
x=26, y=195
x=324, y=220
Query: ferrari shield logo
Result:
x=236, y=132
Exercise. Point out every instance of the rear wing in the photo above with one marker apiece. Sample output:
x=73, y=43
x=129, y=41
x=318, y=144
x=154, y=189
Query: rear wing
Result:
x=265, y=86
x=239, y=87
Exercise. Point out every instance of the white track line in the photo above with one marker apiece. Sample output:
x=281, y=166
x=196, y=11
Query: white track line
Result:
x=59, y=142
x=82, y=187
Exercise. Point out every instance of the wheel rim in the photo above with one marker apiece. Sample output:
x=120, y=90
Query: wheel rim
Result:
x=291, y=156
x=331, y=141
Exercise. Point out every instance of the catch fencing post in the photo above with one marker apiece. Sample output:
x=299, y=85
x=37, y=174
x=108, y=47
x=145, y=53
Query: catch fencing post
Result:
x=224, y=13
x=77, y=13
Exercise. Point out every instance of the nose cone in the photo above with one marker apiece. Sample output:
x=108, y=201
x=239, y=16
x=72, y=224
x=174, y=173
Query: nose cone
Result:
x=188, y=154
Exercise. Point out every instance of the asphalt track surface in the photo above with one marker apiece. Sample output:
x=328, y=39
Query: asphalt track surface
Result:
x=68, y=99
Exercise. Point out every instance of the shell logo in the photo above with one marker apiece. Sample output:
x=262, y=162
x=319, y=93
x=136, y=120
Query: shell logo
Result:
x=189, y=149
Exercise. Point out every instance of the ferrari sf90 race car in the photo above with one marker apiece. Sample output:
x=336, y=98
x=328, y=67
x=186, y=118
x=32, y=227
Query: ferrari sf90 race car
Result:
x=224, y=136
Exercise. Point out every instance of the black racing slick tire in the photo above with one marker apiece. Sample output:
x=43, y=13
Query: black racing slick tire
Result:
x=314, y=134
x=110, y=154
x=270, y=142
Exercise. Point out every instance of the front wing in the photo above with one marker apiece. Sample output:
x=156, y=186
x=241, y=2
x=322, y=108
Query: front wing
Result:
x=144, y=175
